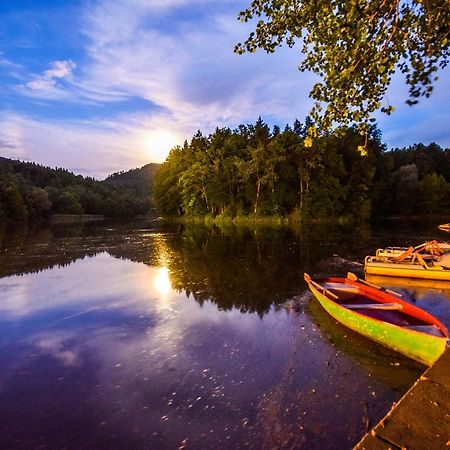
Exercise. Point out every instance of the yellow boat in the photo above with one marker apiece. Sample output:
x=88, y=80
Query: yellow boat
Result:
x=414, y=267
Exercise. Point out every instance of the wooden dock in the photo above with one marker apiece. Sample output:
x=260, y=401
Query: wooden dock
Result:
x=421, y=419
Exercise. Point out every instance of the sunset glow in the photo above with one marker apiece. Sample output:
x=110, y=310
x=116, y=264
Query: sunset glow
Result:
x=159, y=143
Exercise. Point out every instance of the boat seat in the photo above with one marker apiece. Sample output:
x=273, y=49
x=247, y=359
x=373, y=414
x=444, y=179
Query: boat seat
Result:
x=429, y=329
x=391, y=306
x=343, y=290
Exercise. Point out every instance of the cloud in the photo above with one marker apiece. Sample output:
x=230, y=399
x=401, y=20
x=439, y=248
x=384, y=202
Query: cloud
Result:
x=189, y=70
x=41, y=84
x=4, y=144
x=48, y=85
x=9, y=138
x=60, y=69
x=186, y=68
x=4, y=62
x=102, y=148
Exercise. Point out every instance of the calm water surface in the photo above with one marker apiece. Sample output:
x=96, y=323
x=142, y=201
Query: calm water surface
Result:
x=150, y=336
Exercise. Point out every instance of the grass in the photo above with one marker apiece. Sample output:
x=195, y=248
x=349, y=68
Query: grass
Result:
x=237, y=220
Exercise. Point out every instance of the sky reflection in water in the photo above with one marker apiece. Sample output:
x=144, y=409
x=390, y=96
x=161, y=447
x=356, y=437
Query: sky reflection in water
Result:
x=105, y=353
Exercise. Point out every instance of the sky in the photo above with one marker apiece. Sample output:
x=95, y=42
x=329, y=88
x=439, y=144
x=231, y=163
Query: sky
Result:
x=100, y=86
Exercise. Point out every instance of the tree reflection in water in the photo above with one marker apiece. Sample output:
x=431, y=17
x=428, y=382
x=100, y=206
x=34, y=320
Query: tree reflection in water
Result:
x=198, y=343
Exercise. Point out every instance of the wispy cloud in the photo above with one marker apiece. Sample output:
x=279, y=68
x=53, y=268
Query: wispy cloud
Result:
x=48, y=84
x=187, y=69
x=60, y=69
x=4, y=62
x=101, y=148
x=6, y=144
x=191, y=72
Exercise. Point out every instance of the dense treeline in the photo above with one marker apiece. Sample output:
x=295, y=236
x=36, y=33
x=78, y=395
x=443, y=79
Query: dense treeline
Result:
x=254, y=170
x=29, y=191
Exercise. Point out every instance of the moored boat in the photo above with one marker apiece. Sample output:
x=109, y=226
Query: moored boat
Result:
x=414, y=267
x=382, y=316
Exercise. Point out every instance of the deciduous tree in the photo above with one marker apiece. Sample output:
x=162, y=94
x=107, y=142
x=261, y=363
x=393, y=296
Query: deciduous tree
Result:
x=355, y=47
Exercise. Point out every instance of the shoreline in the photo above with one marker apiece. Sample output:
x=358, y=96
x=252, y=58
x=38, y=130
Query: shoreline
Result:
x=73, y=218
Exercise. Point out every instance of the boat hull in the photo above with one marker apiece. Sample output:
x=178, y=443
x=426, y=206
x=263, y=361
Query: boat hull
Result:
x=418, y=284
x=406, y=270
x=421, y=347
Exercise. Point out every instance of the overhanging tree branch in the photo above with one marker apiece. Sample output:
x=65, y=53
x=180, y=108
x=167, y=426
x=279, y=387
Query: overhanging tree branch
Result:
x=355, y=46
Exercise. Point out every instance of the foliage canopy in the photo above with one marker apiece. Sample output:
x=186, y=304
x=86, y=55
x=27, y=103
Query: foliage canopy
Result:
x=254, y=171
x=355, y=46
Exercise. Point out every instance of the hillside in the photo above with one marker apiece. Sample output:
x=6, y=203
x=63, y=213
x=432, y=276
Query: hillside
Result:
x=29, y=191
x=139, y=181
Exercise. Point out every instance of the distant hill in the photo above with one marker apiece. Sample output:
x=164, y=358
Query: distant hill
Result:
x=139, y=181
x=30, y=191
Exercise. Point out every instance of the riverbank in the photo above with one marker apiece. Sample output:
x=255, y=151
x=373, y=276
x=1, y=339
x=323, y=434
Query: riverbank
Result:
x=258, y=220
x=295, y=220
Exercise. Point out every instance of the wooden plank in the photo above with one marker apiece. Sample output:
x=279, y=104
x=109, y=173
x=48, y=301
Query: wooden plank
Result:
x=374, y=442
x=440, y=372
x=420, y=420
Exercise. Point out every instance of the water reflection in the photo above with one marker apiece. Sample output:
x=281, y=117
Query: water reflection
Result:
x=162, y=281
x=379, y=362
x=136, y=338
x=249, y=269
x=107, y=355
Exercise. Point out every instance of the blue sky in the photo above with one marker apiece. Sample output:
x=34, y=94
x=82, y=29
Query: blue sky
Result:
x=99, y=86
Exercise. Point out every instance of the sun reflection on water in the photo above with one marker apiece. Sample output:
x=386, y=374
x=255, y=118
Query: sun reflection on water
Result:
x=161, y=281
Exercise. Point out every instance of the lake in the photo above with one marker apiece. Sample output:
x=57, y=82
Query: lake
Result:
x=149, y=335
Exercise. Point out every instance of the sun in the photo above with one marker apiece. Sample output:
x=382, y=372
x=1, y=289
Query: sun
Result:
x=159, y=143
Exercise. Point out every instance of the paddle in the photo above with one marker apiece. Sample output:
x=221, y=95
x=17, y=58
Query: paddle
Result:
x=319, y=287
x=353, y=277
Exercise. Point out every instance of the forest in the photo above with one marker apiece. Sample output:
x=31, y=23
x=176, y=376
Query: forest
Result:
x=254, y=170
x=30, y=191
x=251, y=171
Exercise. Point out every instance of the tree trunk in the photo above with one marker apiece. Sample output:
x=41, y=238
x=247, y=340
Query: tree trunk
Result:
x=258, y=190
